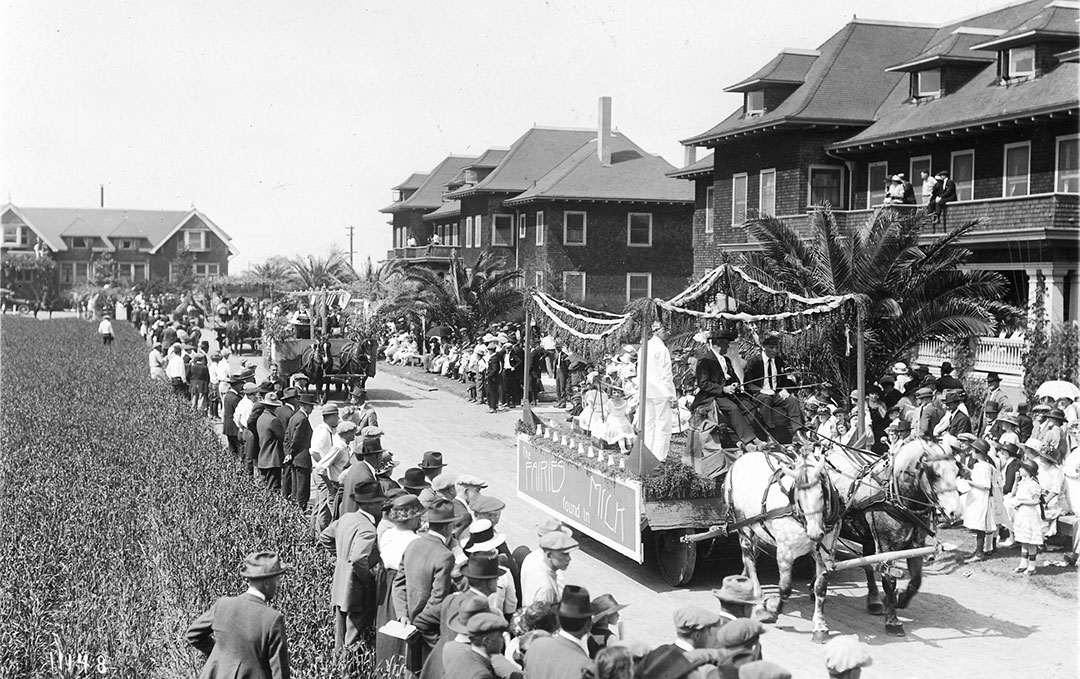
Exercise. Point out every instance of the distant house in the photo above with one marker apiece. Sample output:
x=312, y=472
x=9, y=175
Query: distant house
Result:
x=586, y=214
x=991, y=98
x=142, y=244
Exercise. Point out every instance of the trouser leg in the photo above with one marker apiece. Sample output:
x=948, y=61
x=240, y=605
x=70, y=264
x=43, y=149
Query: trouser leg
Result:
x=287, y=481
x=736, y=420
x=301, y=486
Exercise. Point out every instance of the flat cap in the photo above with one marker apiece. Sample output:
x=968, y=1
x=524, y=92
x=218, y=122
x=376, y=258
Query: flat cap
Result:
x=371, y=432
x=557, y=541
x=470, y=480
x=345, y=427
x=443, y=481
x=690, y=618
x=763, y=669
x=551, y=524
x=845, y=653
x=486, y=503
x=482, y=623
x=924, y=391
x=739, y=632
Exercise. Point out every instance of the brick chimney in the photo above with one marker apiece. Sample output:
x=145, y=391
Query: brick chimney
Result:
x=689, y=155
x=603, y=136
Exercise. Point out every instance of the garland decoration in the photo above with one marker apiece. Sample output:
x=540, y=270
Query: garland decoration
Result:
x=589, y=333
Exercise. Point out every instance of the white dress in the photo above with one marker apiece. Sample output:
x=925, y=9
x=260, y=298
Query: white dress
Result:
x=979, y=506
x=617, y=427
x=1027, y=520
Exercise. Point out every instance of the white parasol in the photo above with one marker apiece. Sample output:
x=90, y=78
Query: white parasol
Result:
x=1058, y=389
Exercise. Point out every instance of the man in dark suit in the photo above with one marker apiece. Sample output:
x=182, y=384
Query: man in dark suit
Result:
x=959, y=422
x=284, y=413
x=228, y=409
x=944, y=193
x=271, y=443
x=513, y=372
x=493, y=376
x=362, y=470
x=298, y=451
x=561, y=360
x=926, y=415
x=241, y=635
x=352, y=594
x=717, y=383
x=425, y=576
x=767, y=379
x=566, y=654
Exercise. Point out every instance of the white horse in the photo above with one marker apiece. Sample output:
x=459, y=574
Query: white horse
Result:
x=788, y=512
x=891, y=503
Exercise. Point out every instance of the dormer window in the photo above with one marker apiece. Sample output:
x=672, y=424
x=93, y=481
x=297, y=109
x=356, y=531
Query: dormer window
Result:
x=1021, y=62
x=755, y=103
x=396, y=195
x=927, y=83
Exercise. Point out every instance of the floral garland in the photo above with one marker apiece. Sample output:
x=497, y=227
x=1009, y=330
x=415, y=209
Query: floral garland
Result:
x=745, y=317
x=579, y=332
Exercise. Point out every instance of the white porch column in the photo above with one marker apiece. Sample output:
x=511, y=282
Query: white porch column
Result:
x=1033, y=287
x=1055, y=295
x=1074, y=296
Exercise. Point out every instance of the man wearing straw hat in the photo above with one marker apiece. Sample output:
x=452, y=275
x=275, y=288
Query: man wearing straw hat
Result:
x=661, y=406
x=241, y=635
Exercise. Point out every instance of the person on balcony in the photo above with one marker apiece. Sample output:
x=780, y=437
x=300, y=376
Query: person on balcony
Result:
x=929, y=185
x=894, y=192
x=944, y=193
x=411, y=242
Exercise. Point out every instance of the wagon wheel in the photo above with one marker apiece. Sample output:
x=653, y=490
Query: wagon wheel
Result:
x=676, y=559
x=24, y=309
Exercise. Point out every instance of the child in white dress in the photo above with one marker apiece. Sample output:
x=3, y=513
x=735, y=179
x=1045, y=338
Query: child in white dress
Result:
x=1027, y=519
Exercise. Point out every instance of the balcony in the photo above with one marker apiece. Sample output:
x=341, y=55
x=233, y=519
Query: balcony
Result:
x=423, y=254
x=1046, y=216
x=1004, y=356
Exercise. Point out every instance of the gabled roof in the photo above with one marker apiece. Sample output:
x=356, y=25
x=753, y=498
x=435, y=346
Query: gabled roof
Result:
x=156, y=226
x=701, y=167
x=979, y=100
x=632, y=176
x=787, y=68
x=529, y=159
x=954, y=48
x=413, y=182
x=843, y=86
x=428, y=195
x=451, y=208
x=1055, y=21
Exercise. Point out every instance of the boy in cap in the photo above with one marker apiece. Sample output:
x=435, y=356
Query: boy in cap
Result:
x=484, y=636
x=242, y=635
x=763, y=669
x=741, y=641
x=540, y=569
x=845, y=657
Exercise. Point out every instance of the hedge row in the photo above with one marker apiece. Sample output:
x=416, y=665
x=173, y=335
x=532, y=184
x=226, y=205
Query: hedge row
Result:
x=122, y=518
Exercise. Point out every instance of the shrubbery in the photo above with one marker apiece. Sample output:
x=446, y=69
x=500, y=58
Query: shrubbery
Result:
x=122, y=517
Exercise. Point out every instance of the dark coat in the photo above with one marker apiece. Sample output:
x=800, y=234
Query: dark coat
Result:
x=298, y=438
x=945, y=191
x=959, y=423
x=285, y=413
x=425, y=575
x=251, y=443
x=271, y=440
x=754, y=374
x=244, y=639
x=469, y=665
x=556, y=658
x=357, y=473
x=710, y=381
x=355, y=564
x=440, y=615
x=228, y=409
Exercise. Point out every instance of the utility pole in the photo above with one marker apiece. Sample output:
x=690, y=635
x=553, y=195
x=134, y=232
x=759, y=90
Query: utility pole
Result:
x=351, y=229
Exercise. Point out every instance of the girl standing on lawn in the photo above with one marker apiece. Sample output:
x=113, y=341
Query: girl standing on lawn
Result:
x=983, y=500
x=1027, y=520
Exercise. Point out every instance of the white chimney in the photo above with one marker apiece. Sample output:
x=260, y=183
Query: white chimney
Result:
x=689, y=155
x=603, y=137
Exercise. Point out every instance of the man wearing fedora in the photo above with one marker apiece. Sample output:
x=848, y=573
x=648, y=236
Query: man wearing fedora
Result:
x=284, y=413
x=566, y=654
x=352, y=594
x=994, y=392
x=362, y=468
x=483, y=540
x=271, y=443
x=736, y=597
x=427, y=565
x=955, y=421
x=298, y=451
x=228, y=408
x=242, y=635
x=926, y=414
x=432, y=464
x=481, y=573
x=365, y=415
x=414, y=481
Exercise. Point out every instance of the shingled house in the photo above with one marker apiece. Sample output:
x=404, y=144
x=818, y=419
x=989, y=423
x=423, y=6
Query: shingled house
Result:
x=141, y=244
x=991, y=98
x=586, y=214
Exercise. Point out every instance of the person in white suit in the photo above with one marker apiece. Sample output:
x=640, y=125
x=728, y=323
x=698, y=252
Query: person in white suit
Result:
x=660, y=395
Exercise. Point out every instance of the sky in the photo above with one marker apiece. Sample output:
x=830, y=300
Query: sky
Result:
x=287, y=122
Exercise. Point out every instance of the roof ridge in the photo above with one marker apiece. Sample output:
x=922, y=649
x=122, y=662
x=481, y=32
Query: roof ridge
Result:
x=894, y=22
x=983, y=12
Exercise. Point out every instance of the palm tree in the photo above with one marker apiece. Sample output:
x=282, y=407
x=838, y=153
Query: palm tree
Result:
x=908, y=293
x=457, y=297
x=311, y=272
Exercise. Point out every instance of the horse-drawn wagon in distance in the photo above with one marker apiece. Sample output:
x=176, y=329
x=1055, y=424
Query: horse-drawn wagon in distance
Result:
x=324, y=337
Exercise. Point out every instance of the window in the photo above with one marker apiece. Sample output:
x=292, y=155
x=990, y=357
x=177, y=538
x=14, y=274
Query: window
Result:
x=502, y=230
x=15, y=235
x=928, y=83
x=755, y=103
x=639, y=229
x=73, y=273
x=468, y=232
x=915, y=169
x=963, y=173
x=127, y=244
x=395, y=195
x=1017, y=165
x=638, y=285
x=825, y=186
x=573, y=283
x=194, y=240
x=538, y=280
x=738, y=199
x=710, y=214
x=540, y=227
x=575, y=229
x=78, y=242
x=131, y=271
x=522, y=226
x=478, y=232
x=205, y=270
x=767, y=192
x=1021, y=62
x=876, y=176
x=1067, y=176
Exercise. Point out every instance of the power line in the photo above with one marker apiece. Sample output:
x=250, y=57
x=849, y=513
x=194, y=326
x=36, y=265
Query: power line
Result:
x=351, y=229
